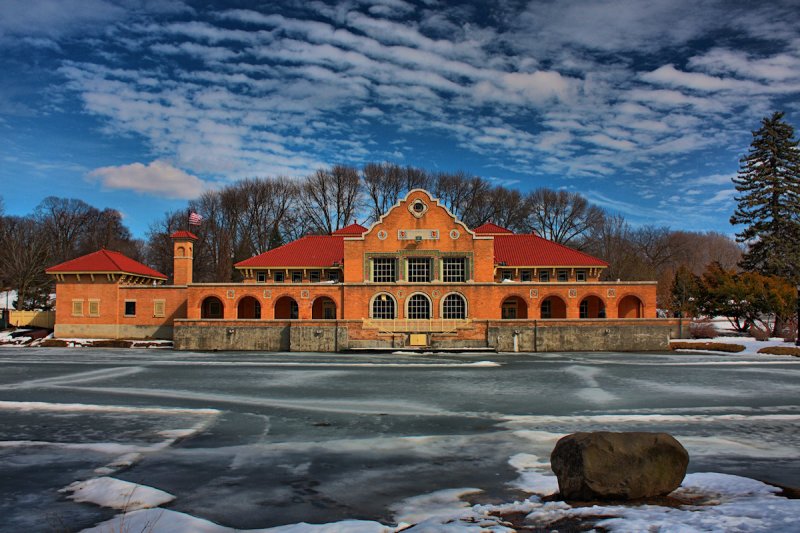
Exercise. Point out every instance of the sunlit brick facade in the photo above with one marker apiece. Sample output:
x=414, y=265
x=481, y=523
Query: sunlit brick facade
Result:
x=416, y=277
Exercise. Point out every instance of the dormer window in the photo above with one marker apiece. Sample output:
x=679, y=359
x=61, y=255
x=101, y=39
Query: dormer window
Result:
x=261, y=277
x=580, y=275
x=562, y=275
x=544, y=276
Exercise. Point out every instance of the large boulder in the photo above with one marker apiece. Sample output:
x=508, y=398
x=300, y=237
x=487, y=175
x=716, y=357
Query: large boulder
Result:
x=605, y=465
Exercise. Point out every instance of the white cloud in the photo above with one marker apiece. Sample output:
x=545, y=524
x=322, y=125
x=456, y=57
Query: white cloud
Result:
x=159, y=178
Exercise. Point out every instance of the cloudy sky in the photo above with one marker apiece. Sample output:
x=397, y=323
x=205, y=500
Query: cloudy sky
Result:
x=644, y=107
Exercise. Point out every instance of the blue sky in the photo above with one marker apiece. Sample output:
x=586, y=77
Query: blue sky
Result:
x=644, y=107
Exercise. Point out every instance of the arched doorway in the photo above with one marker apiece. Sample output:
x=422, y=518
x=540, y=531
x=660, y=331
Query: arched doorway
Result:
x=212, y=308
x=418, y=307
x=323, y=309
x=286, y=308
x=592, y=307
x=553, y=307
x=630, y=307
x=248, y=307
x=513, y=307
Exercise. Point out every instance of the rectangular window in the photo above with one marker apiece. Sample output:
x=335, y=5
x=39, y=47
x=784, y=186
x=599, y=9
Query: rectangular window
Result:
x=333, y=275
x=261, y=277
x=383, y=269
x=130, y=307
x=159, y=308
x=507, y=275
x=297, y=277
x=279, y=277
x=580, y=275
x=419, y=269
x=562, y=275
x=77, y=307
x=94, y=307
x=526, y=275
x=314, y=276
x=544, y=276
x=583, y=309
x=454, y=269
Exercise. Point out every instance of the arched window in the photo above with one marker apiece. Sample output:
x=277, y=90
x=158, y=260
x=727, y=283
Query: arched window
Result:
x=383, y=307
x=419, y=307
x=212, y=308
x=454, y=307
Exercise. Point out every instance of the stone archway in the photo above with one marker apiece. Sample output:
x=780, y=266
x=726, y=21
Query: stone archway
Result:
x=286, y=308
x=248, y=308
x=592, y=307
x=513, y=307
x=553, y=307
x=212, y=308
x=630, y=307
x=323, y=308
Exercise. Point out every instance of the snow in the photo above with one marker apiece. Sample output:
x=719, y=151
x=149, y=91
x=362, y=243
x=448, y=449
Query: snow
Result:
x=751, y=346
x=535, y=475
x=116, y=494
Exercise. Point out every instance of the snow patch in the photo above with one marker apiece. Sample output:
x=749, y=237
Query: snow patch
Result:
x=443, y=505
x=116, y=494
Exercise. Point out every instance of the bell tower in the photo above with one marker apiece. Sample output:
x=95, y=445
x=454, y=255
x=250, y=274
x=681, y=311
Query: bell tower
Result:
x=182, y=256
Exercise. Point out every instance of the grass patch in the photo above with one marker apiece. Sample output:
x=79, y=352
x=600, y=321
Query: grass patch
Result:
x=781, y=350
x=711, y=346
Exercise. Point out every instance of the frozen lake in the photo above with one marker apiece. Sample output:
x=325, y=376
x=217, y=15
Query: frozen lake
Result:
x=258, y=440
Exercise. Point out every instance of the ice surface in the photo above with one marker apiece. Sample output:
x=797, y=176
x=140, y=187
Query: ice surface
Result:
x=117, y=494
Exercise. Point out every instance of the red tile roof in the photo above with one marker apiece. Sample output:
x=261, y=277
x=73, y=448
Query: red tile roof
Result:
x=105, y=261
x=183, y=234
x=309, y=251
x=532, y=250
x=492, y=229
x=352, y=229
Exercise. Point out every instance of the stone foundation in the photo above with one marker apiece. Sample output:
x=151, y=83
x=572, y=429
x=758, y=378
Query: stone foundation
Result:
x=502, y=336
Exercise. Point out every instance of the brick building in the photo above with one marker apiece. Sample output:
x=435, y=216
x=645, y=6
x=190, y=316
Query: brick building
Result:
x=418, y=277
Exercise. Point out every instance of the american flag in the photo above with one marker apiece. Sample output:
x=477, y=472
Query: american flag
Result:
x=195, y=219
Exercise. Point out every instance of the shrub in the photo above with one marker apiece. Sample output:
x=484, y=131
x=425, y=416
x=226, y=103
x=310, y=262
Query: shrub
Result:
x=759, y=334
x=703, y=329
x=711, y=346
x=781, y=350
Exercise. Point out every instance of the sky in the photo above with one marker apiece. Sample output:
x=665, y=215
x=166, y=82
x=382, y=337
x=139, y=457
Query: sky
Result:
x=140, y=105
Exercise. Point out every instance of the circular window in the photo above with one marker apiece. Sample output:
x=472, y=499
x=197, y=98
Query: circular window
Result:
x=382, y=235
x=418, y=208
x=454, y=234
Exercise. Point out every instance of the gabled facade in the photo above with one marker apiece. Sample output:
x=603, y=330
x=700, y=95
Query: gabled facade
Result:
x=416, y=277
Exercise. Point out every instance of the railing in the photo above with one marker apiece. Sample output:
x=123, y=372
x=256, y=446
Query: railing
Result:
x=37, y=319
x=404, y=325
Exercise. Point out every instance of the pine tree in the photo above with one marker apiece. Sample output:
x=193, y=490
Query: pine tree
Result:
x=769, y=203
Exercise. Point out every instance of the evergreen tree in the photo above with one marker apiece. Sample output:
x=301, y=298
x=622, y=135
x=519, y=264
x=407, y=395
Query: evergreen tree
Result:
x=769, y=202
x=685, y=294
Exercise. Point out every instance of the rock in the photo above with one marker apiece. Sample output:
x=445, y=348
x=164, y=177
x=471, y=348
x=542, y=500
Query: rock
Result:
x=606, y=465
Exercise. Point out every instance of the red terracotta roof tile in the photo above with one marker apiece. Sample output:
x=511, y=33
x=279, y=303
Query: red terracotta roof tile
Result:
x=492, y=229
x=106, y=261
x=309, y=251
x=183, y=234
x=352, y=229
x=532, y=250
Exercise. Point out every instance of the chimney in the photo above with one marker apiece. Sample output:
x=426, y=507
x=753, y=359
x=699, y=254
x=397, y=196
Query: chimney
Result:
x=182, y=256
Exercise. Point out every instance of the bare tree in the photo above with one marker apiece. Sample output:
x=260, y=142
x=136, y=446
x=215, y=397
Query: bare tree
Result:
x=384, y=183
x=331, y=198
x=563, y=217
x=65, y=221
x=24, y=255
